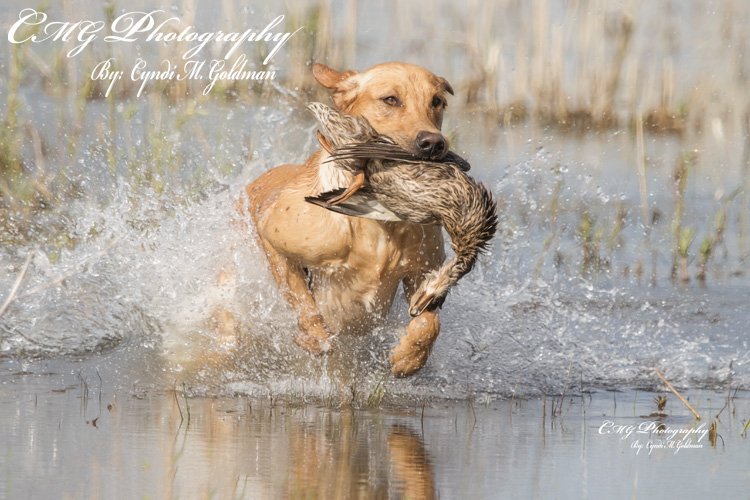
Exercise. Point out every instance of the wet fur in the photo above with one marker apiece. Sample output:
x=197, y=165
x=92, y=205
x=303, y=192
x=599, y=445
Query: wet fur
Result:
x=340, y=273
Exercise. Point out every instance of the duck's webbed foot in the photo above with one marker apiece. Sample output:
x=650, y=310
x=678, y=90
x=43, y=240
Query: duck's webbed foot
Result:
x=357, y=182
x=324, y=142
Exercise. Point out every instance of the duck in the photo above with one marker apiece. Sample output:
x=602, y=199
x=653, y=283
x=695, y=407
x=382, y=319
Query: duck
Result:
x=391, y=184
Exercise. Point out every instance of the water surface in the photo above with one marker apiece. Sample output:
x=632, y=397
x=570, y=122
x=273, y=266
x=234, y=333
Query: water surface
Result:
x=74, y=431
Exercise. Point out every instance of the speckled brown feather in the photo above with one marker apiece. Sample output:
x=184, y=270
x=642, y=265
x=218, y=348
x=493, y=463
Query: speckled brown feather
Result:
x=415, y=191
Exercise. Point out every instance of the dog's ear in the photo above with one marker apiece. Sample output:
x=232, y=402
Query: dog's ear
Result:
x=328, y=77
x=341, y=84
x=445, y=85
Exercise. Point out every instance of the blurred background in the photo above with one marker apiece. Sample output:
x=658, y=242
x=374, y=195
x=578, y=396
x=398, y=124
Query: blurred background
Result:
x=649, y=98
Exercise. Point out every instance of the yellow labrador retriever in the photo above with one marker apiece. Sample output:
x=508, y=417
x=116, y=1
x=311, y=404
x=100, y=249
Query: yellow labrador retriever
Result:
x=341, y=273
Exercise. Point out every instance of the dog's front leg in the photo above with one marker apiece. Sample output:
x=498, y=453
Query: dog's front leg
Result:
x=412, y=351
x=313, y=335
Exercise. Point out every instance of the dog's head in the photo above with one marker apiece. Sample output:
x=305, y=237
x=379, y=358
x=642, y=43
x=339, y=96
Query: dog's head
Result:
x=403, y=101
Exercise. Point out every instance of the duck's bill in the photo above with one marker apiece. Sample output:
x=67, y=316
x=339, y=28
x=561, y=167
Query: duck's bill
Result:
x=453, y=158
x=360, y=204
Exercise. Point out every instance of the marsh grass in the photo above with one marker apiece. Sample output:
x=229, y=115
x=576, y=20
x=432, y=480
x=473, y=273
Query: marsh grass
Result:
x=576, y=67
x=10, y=140
x=713, y=434
x=661, y=403
x=682, y=237
x=716, y=237
x=25, y=187
x=378, y=393
x=573, y=68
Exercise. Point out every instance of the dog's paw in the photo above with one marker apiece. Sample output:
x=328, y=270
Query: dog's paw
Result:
x=313, y=335
x=407, y=359
x=313, y=345
x=412, y=351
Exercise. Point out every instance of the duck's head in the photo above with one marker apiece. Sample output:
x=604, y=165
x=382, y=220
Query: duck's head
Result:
x=338, y=128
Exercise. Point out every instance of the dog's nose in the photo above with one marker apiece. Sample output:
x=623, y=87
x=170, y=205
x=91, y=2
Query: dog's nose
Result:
x=431, y=145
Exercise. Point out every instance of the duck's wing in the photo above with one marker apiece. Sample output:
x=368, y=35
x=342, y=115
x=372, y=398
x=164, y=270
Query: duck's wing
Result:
x=384, y=149
x=360, y=204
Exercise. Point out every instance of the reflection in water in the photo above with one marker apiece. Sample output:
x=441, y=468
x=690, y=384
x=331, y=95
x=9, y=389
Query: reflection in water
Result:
x=65, y=436
x=411, y=463
x=66, y=440
x=337, y=457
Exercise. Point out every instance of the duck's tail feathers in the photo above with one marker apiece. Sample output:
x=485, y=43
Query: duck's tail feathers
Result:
x=384, y=149
x=380, y=149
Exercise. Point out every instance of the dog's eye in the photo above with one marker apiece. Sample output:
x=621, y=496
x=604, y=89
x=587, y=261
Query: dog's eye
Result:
x=392, y=100
x=437, y=102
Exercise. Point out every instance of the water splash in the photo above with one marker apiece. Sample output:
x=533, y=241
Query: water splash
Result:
x=145, y=277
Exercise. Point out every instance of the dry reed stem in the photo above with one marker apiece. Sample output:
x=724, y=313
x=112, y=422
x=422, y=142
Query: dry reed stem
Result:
x=59, y=279
x=679, y=396
x=641, y=164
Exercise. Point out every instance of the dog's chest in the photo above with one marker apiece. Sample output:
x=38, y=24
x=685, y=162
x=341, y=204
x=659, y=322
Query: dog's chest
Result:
x=331, y=177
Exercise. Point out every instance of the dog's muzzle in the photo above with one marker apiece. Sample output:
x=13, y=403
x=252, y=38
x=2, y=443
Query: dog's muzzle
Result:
x=431, y=145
